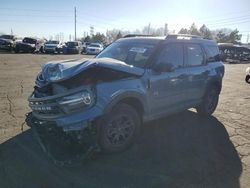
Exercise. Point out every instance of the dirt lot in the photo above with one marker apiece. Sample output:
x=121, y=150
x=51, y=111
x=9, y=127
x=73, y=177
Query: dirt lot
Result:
x=184, y=150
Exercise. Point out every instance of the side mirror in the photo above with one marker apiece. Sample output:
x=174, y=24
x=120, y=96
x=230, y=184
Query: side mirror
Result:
x=164, y=67
x=218, y=57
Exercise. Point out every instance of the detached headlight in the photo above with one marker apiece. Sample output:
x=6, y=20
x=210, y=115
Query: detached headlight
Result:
x=77, y=101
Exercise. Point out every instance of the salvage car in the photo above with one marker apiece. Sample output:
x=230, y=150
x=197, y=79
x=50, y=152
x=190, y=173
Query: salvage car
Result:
x=30, y=45
x=234, y=53
x=94, y=48
x=7, y=42
x=74, y=47
x=247, y=79
x=101, y=103
x=53, y=46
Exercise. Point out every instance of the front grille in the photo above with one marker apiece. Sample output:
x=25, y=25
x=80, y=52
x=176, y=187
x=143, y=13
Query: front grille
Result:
x=46, y=110
x=46, y=107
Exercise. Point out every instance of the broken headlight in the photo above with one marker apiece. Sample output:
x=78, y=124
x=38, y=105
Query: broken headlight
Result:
x=77, y=101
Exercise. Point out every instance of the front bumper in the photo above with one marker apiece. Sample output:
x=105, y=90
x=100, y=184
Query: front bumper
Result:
x=68, y=122
x=5, y=46
x=63, y=148
x=71, y=50
x=93, y=52
x=26, y=48
x=50, y=49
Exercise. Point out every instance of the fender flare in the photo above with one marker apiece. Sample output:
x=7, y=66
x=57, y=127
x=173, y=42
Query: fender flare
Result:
x=123, y=95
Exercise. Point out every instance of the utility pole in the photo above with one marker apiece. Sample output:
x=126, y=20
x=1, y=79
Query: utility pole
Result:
x=247, y=38
x=91, y=30
x=166, y=29
x=75, y=23
x=148, y=28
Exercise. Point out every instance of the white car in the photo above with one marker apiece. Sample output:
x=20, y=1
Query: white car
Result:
x=53, y=46
x=94, y=48
x=248, y=75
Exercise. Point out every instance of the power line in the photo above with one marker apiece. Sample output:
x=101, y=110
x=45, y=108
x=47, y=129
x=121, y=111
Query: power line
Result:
x=224, y=14
x=36, y=10
x=229, y=23
x=38, y=22
x=101, y=20
x=229, y=19
x=30, y=15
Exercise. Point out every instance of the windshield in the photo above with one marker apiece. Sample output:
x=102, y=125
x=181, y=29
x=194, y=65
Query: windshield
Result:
x=52, y=42
x=72, y=44
x=29, y=40
x=133, y=52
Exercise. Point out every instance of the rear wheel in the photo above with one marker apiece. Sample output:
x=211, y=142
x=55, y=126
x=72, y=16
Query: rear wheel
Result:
x=247, y=78
x=209, y=103
x=118, y=129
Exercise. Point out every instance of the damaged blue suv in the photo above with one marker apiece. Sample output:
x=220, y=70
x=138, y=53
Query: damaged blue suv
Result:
x=102, y=102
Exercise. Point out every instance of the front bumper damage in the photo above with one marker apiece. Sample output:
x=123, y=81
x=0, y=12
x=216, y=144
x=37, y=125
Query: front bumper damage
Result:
x=64, y=147
x=68, y=100
x=66, y=137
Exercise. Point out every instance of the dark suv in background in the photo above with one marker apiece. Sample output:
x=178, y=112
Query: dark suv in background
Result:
x=30, y=45
x=132, y=81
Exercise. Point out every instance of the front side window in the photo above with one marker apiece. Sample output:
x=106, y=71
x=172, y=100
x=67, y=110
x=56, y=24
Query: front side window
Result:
x=195, y=55
x=172, y=54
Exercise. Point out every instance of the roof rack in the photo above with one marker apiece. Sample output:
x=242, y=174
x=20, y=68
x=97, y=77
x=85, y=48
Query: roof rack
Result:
x=183, y=36
x=136, y=35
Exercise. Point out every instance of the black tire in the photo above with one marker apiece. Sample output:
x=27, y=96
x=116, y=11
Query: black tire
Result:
x=41, y=50
x=16, y=50
x=209, y=103
x=247, y=79
x=118, y=129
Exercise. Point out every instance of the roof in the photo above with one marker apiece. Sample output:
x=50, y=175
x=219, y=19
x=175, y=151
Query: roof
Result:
x=171, y=37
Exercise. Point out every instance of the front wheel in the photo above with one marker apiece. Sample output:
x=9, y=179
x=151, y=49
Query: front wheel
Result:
x=209, y=103
x=247, y=79
x=118, y=129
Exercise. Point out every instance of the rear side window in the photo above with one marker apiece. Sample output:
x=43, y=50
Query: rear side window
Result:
x=171, y=53
x=195, y=55
x=212, y=53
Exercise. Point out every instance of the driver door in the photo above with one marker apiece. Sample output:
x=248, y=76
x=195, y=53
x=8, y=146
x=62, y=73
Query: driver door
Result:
x=166, y=92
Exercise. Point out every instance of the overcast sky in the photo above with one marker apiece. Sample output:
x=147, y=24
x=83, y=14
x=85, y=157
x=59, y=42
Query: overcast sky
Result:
x=48, y=17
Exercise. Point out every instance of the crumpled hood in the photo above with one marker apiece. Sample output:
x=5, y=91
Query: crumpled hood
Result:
x=57, y=71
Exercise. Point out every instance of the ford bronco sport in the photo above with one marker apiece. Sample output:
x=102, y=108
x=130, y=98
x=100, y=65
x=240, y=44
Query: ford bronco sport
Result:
x=102, y=102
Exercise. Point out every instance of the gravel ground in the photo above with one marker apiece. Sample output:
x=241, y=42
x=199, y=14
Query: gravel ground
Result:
x=183, y=150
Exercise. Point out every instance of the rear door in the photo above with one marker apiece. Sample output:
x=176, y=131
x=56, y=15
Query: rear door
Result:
x=197, y=69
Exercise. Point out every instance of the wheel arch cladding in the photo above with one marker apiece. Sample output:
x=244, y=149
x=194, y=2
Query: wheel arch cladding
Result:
x=135, y=100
